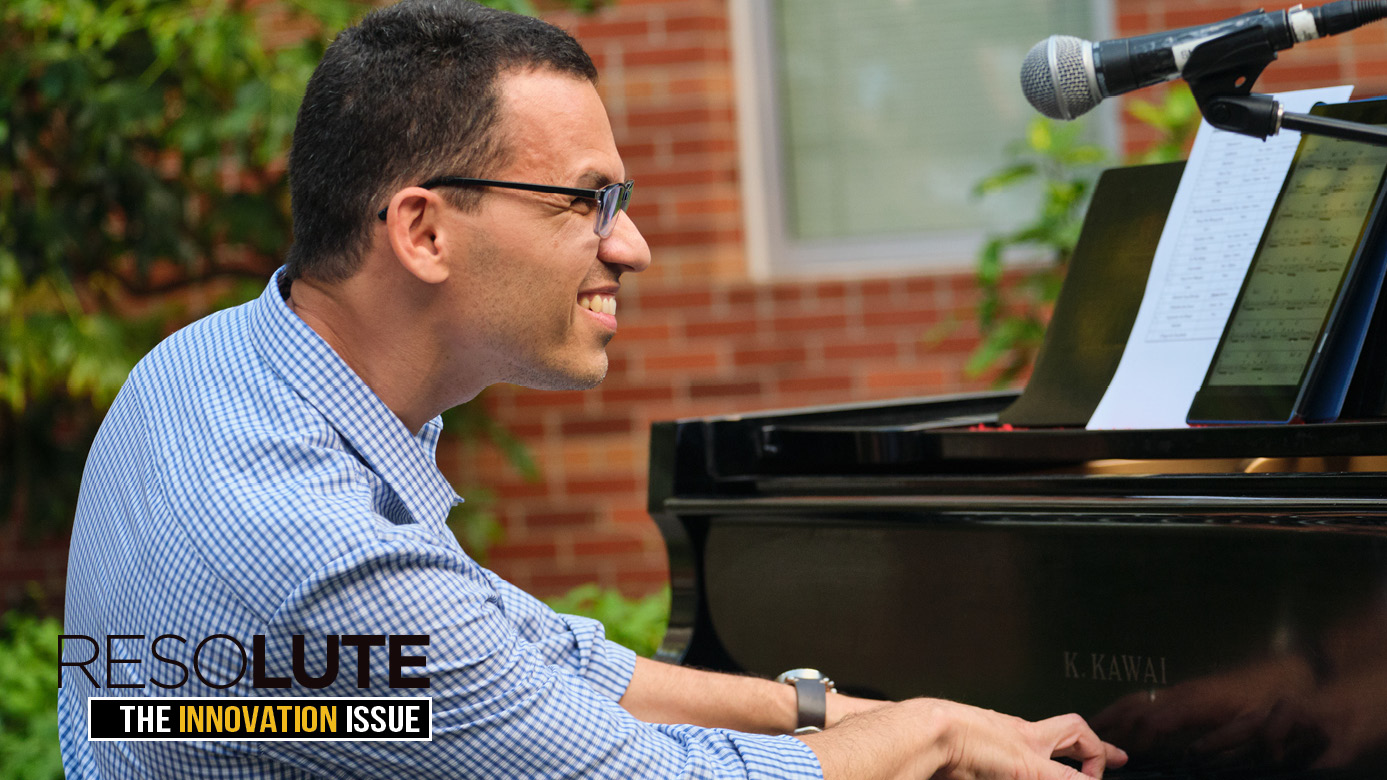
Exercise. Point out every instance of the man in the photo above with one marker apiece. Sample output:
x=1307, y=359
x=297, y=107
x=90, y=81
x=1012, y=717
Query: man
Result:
x=269, y=471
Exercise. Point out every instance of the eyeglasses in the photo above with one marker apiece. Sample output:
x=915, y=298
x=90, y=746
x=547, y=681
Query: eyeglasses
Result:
x=610, y=199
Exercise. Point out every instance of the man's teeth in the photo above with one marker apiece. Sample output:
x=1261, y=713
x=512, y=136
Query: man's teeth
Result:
x=603, y=304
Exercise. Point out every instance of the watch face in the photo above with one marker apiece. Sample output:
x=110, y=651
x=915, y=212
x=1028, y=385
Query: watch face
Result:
x=791, y=676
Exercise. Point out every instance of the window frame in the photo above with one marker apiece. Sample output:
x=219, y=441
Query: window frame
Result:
x=771, y=252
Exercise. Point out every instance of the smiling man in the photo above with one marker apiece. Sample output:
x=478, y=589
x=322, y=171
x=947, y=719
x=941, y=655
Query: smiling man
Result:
x=266, y=478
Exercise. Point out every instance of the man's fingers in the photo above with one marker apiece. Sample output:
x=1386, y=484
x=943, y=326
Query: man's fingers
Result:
x=1061, y=772
x=1068, y=736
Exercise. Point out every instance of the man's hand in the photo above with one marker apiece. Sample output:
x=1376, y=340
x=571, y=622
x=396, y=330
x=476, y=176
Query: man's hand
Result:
x=865, y=739
x=925, y=738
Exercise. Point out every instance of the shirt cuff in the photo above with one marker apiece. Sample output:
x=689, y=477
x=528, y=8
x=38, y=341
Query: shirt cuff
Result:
x=609, y=673
x=777, y=757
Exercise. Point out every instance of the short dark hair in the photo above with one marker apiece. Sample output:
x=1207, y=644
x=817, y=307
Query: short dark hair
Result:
x=407, y=94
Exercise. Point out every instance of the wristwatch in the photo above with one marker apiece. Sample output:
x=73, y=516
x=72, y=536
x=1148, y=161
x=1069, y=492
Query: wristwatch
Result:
x=811, y=693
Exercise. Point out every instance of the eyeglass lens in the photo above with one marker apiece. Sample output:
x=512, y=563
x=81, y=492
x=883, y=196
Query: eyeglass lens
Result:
x=613, y=199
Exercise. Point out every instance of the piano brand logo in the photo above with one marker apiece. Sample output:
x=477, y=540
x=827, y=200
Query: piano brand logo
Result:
x=1115, y=667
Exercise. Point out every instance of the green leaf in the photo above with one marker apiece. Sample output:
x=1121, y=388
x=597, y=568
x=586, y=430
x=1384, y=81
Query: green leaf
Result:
x=635, y=623
x=1004, y=178
x=1040, y=135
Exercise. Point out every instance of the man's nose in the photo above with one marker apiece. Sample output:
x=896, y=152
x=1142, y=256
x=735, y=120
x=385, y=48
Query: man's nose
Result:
x=625, y=246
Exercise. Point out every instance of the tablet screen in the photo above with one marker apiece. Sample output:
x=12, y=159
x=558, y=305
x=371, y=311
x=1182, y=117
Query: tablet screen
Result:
x=1297, y=272
x=1297, y=277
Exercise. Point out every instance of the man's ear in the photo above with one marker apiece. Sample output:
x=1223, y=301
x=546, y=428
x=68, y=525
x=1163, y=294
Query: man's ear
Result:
x=414, y=226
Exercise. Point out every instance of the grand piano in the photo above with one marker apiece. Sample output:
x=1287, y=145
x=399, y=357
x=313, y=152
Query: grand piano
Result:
x=1214, y=600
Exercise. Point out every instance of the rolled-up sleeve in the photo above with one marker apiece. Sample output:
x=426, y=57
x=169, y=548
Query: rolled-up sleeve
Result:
x=575, y=642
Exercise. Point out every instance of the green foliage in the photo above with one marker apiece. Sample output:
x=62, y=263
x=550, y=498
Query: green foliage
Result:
x=29, y=706
x=140, y=161
x=1176, y=117
x=1012, y=318
x=635, y=623
x=142, y=148
x=1013, y=324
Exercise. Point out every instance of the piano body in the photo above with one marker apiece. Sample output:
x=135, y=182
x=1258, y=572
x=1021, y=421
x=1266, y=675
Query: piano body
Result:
x=1214, y=600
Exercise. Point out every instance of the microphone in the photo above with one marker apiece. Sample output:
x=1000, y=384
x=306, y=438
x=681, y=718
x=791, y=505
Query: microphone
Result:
x=1063, y=76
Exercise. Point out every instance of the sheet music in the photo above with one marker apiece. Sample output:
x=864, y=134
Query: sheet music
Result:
x=1216, y=221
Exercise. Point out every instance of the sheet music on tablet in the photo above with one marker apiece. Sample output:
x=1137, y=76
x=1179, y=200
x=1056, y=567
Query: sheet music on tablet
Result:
x=1216, y=221
x=1284, y=305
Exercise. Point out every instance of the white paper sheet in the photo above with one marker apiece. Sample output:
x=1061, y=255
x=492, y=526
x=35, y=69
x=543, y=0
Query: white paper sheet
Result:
x=1225, y=196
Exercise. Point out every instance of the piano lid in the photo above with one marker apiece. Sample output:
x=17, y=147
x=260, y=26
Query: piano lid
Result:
x=919, y=442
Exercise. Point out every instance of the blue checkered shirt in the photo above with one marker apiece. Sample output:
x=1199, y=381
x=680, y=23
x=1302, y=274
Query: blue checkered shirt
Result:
x=245, y=482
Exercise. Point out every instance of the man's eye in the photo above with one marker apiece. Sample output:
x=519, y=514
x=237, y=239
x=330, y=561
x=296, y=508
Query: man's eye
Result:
x=582, y=205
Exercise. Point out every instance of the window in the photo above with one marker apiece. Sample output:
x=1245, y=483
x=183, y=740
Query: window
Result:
x=866, y=123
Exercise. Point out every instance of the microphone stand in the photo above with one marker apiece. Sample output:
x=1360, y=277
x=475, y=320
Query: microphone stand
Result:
x=1220, y=73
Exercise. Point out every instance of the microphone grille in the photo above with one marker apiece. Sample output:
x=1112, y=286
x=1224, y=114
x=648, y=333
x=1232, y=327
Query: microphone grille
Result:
x=1057, y=77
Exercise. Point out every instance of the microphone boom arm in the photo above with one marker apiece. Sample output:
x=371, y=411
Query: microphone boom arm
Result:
x=1221, y=72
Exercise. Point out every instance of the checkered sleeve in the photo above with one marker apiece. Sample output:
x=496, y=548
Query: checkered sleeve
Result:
x=578, y=643
x=501, y=709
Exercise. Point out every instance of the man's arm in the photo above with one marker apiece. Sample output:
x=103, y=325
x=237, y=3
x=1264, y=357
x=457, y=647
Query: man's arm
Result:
x=500, y=709
x=664, y=693
x=920, y=738
x=577, y=643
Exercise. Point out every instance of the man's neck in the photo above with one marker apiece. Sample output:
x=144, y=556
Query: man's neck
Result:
x=386, y=345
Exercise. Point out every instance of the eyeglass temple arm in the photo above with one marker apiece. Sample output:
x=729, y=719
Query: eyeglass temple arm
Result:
x=460, y=181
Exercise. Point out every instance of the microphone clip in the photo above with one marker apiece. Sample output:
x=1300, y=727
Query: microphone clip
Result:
x=1221, y=73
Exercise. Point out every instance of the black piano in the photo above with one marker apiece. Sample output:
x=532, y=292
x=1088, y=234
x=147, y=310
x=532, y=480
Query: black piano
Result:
x=1213, y=600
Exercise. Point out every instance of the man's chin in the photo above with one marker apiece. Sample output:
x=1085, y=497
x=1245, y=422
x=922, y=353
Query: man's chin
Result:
x=567, y=377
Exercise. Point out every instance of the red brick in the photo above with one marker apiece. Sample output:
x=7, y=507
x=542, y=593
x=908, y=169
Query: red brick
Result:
x=530, y=399
x=654, y=578
x=560, y=519
x=741, y=296
x=513, y=490
x=922, y=286
x=811, y=322
x=724, y=389
x=672, y=117
x=711, y=206
x=608, y=545
x=513, y=552
x=814, y=384
x=774, y=356
x=628, y=516
x=922, y=382
x=673, y=55
x=617, y=365
x=624, y=394
x=914, y=316
x=702, y=23
x=861, y=350
x=554, y=584
x=877, y=287
x=701, y=146
x=596, y=426
x=587, y=486
x=592, y=28
x=830, y=290
x=675, y=299
x=783, y=294
x=686, y=178
x=655, y=332
x=683, y=361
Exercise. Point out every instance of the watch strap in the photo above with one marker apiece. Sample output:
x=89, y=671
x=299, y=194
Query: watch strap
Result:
x=812, y=698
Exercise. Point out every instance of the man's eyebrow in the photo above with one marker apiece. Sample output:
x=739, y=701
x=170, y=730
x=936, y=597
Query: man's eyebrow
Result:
x=593, y=180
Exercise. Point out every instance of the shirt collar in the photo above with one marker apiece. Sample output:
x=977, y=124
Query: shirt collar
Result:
x=307, y=364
